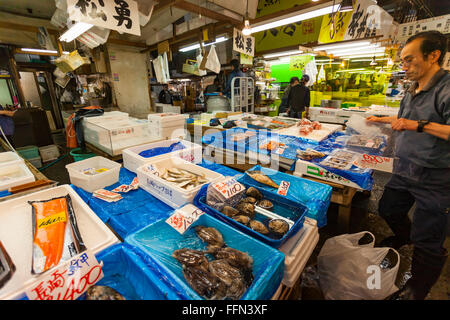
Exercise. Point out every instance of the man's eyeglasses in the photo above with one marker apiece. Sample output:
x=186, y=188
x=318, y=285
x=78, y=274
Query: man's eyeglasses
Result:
x=406, y=62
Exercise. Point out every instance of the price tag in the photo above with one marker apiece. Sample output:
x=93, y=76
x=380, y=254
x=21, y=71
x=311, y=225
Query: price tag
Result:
x=284, y=188
x=228, y=187
x=379, y=163
x=280, y=150
x=183, y=218
x=151, y=169
x=68, y=281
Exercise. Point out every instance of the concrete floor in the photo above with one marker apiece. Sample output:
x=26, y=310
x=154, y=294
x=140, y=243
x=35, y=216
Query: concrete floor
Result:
x=364, y=218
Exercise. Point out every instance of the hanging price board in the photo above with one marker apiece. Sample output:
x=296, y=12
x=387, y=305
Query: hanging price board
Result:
x=183, y=218
x=284, y=188
x=69, y=281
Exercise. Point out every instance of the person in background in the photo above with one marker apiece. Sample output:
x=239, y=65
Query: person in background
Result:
x=421, y=174
x=165, y=96
x=298, y=98
x=7, y=123
x=284, y=106
x=235, y=73
x=213, y=87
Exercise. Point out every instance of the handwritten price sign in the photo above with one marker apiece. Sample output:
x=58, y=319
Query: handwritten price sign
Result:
x=284, y=188
x=229, y=187
x=69, y=281
x=183, y=218
x=375, y=162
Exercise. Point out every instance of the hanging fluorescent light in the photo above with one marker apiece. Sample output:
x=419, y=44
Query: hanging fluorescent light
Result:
x=355, y=44
x=75, y=31
x=197, y=45
x=346, y=5
x=373, y=62
x=247, y=30
x=306, y=14
x=41, y=50
x=351, y=56
x=281, y=54
x=356, y=51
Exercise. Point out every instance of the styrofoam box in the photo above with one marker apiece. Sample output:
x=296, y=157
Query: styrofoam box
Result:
x=15, y=174
x=168, y=192
x=49, y=153
x=107, y=116
x=132, y=160
x=17, y=237
x=297, y=251
x=167, y=132
x=164, y=120
x=9, y=157
x=90, y=183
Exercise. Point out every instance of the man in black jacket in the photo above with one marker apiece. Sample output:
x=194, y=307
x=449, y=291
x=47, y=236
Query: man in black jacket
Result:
x=298, y=99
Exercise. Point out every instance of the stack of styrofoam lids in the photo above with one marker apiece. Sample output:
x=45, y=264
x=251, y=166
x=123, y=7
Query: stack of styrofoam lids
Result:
x=297, y=251
x=16, y=234
x=15, y=174
x=9, y=157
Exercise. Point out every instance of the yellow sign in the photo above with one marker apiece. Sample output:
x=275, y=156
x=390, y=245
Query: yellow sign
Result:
x=298, y=63
x=334, y=27
x=50, y=220
x=246, y=59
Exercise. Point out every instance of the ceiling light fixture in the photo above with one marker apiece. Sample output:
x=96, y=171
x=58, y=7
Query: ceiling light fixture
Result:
x=75, y=31
x=247, y=30
x=197, y=45
x=281, y=54
x=41, y=50
x=373, y=62
x=326, y=8
x=343, y=45
x=357, y=51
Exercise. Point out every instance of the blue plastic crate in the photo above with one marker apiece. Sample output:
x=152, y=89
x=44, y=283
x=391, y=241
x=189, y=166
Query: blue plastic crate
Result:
x=159, y=240
x=282, y=206
x=224, y=139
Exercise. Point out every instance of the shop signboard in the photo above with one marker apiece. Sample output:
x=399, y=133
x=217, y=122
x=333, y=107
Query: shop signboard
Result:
x=334, y=27
x=298, y=63
x=246, y=59
x=368, y=20
x=68, y=281
x=406, y=30
x=243, y=44
x=119, y=15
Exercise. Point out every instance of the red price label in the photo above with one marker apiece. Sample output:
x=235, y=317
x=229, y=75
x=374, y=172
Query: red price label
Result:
x=284, y=188
x=375, y=159
x=183, y=218
x=229, y=187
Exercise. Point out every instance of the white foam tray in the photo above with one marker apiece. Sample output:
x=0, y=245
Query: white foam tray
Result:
x=168, y=192
x=132, y=160
x=316, y=135
x=9, y=157
x=17, y=173
x=17, y=238
x=90, y=183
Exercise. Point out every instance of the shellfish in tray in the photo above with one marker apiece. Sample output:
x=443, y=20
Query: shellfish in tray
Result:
x=258, y=227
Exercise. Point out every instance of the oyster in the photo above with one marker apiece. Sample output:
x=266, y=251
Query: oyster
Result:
x=204, y=282
x=254, y=193
x=235, y=257
x=224, y=271
x=103, y=293
x=210, y=235
x=190, y=257
x=262, y=178
x=278, y=226
x=242, y=219
x=246, y=209
x=249, y=200
x=265, y=204
x=258, y=227
x=230, y=211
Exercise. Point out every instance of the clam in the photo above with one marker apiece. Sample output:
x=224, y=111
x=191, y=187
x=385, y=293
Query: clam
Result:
x=203, y=282
x=242, y=219
x=235, y=257
x=249, y=200
x=278, y=226
x=230, y=211
x=210, y=235
x=246, y=209
x=265, y=204
x=258, y=227
x=254, y=193
x=190, y=257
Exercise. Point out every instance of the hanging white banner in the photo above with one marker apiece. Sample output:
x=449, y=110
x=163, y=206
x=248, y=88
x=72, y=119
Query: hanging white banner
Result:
x=119, y=15
x=368, y=20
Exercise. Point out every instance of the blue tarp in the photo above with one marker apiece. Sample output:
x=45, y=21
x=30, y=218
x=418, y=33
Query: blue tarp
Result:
x=138, y=208
x=160, y=240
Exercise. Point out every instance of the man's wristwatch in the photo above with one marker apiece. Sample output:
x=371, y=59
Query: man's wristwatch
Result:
x=422, y=123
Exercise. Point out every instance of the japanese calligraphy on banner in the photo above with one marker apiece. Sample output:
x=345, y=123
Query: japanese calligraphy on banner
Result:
x=334, y=27
x=298, y=63
x=368, y=20
x=68, y=281
x=119, y=15
x=243, y=44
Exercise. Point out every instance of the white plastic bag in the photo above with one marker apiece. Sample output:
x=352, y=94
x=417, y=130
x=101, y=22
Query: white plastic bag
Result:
x=350, y=271
x=213, y=62
x=359, y=124
x=199, y=61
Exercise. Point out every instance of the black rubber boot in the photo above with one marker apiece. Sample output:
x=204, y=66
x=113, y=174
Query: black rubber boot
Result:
x=426, y=267
x=401, y=230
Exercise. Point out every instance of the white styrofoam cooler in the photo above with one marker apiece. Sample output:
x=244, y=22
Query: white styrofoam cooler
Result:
x=166, y=125
x=297, y=251
x=49, y=153
x=91, y=183
x=15, y=174
x=132, y=160
x=17, y=237
x=9, y=157
x=168, y=192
